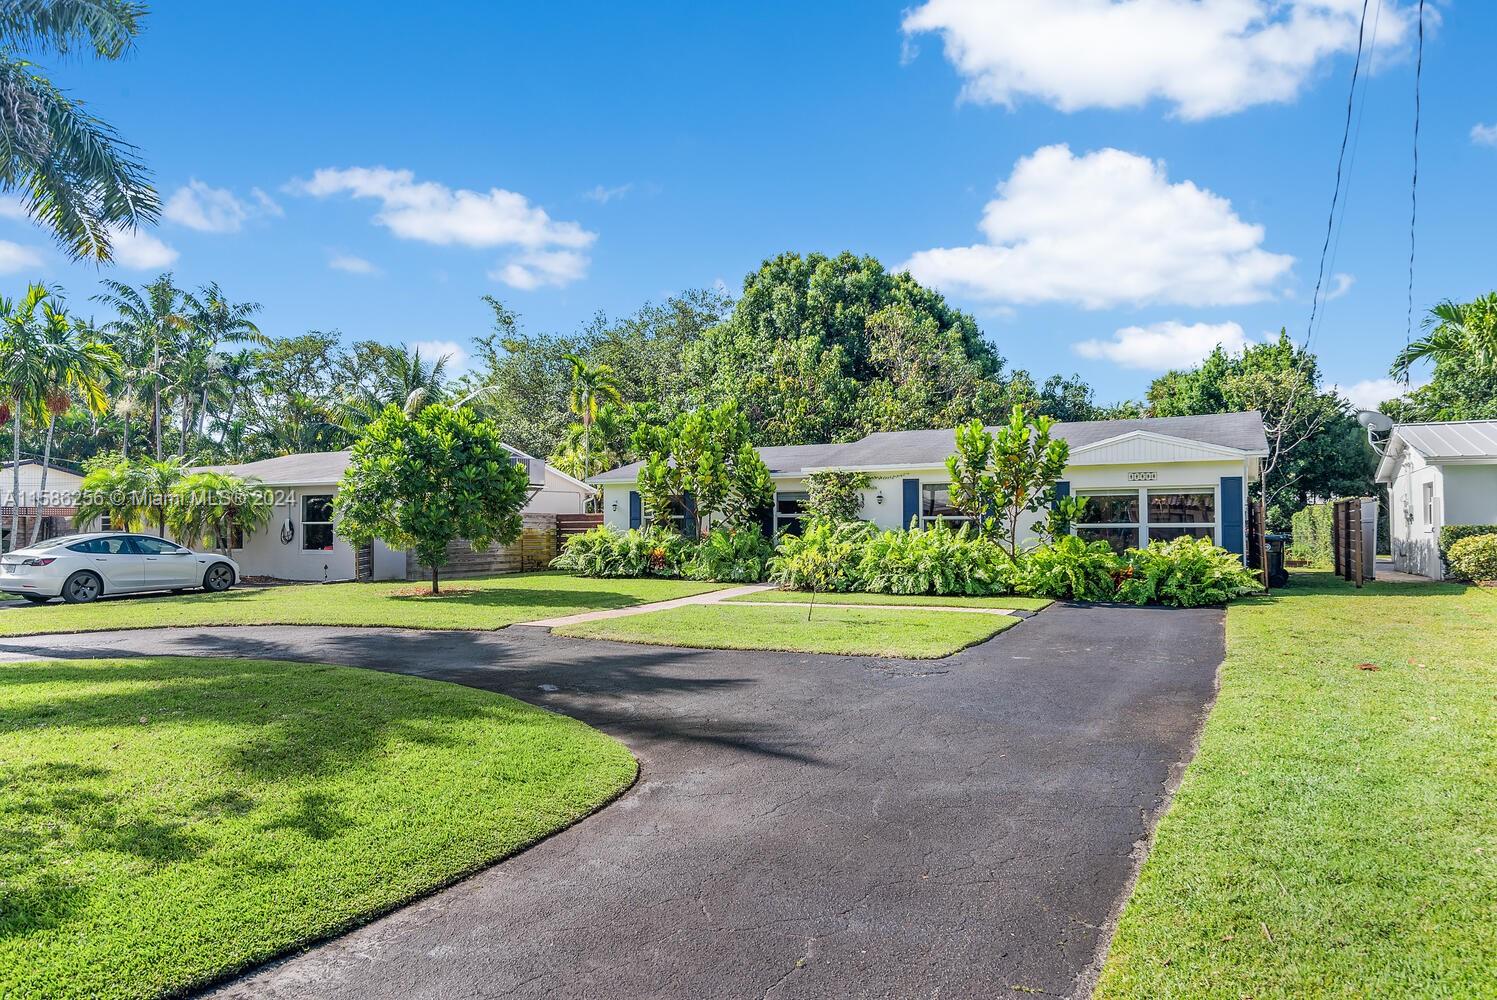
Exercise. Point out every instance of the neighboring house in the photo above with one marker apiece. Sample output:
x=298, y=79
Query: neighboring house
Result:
x=300, y=543
x=56, y=507
x=1436, y=474
x=1145, y=479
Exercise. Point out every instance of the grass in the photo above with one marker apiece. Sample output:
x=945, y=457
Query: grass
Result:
x=1336, y=835
x=856, y=631
x=804, y=597
x=167, y=821
x=481, y=603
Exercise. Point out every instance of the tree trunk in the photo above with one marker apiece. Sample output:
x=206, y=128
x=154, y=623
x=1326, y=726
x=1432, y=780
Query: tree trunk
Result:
x=15, y=496
x=587, y=445
x=186, y=416
x=125, y=440
x=41, y=489
x=435, y=573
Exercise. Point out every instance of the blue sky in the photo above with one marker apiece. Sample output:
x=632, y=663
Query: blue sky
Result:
x=639, y=150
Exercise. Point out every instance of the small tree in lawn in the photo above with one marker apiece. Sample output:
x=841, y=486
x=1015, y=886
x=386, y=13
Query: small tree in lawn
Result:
x=999, y=478
x=703, y=463
x=422, y=481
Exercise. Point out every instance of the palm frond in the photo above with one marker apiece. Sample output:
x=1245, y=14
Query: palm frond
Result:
x=108, y=27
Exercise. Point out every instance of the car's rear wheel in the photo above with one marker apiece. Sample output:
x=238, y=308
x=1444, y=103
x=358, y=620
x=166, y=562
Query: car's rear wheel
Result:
x=37, y=598
x=82, y=587
x=220, y=577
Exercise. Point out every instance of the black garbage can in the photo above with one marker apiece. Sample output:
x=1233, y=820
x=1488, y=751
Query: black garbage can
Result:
x=1278, y=576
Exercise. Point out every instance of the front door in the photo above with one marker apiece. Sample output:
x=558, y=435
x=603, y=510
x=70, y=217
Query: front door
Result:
x=166, y=565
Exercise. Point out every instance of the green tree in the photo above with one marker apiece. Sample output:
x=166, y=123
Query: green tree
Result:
x=109, y=490
x=148, y=333
x=1454, y=331
x=703, y=466
x=154, y=479
x=1000, y=477
x=74, y=174
x=593, y=386
x=836, y=496
x=423, y=481
x=206, y=507
x=211, y=321
x=24, y=373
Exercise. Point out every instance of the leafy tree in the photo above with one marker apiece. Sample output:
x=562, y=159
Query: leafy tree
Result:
x=836, y=496
x=1000, y=477
x=1454, y=331
x=423, y=481
x=130, y=493
x=75, y=175
x=24, y=375
x=154, y=479
x=702, y=465
x=593, y=386
x=211, y=321
x=147, y=333
x=208, y=506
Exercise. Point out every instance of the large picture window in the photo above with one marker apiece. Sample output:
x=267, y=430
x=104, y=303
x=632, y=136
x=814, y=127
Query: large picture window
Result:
x=1128, y=519
x=317, y=522
x=789, y=509
x=935, y=506
x=1110, y=518
x=1172, y=515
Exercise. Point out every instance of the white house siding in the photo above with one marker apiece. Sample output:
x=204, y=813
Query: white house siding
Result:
x=1470, y=493
x=62, y=486
x=1413, y=533
x=561, y=495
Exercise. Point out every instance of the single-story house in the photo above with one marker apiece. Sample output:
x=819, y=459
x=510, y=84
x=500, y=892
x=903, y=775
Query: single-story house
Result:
x=1154, y=478
x=1436, y=474
x=55, y=508
x=300, y=544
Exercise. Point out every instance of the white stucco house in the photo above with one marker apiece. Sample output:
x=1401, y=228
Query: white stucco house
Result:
x=56, y=506
x=1154, y=478
x=1436, y=474
x=299, y=543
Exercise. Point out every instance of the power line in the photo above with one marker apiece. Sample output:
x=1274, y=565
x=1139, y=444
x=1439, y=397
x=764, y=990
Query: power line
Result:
x=1408, y=334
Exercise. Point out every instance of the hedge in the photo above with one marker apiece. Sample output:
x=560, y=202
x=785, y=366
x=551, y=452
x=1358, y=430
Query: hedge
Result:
x=1452, y=533
x=1312, y=535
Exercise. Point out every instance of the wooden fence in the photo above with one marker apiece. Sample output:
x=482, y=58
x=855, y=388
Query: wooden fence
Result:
x=568, y=525
x=534, y=549
x=1349, y=543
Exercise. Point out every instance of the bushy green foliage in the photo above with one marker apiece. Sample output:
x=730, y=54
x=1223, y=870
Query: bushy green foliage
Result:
x=729, y=556
x=1474, y=558
x=1452, y=533
x=1311, y=526
x=702, y=464
x=1070, y=568
x=1000, y=477
x=604, y=551
x=1184, y=573
x=835, y=495
x=856, y=556
x=824, y=556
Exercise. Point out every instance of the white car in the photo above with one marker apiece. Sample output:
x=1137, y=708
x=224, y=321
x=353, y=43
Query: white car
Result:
x=80, y=568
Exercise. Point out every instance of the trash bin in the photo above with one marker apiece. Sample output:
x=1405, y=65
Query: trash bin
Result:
x=1278, y=576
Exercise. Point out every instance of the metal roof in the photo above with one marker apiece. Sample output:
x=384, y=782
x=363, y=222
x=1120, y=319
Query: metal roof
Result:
x=1456, y=439
x=927, y=449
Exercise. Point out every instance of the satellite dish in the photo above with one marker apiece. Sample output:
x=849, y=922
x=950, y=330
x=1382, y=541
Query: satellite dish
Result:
x=1374, y=421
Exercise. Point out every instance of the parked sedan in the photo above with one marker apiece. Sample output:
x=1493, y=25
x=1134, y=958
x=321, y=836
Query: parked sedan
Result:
x=79, y=568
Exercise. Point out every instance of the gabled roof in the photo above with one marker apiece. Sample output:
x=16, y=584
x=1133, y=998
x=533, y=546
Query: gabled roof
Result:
x=1440, y=442
x=1239, y=433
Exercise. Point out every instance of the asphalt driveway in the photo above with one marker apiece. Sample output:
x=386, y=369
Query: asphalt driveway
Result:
x=803, y=826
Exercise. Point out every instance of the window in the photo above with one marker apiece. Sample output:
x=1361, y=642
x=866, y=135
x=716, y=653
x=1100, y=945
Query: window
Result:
x=1429, y=504
x=154, y=546
x=115, y=545
x=789, y=508
x=935, y=505
x=1173, y=515
x=1111, y=518
x=317, y=522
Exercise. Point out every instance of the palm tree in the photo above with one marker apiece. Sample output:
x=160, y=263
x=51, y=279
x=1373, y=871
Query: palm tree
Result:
x=592, y=386
x=1454, y=330
x=109, y=490
x=154, y=480
x=23, y=375
x=210, y=505
x=148, y=334
x=212, y=320
x=74, y=366
x=73, y=172
x=606, y=431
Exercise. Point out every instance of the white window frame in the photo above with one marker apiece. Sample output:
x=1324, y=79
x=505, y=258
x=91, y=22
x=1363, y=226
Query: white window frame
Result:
x=1137, y=526
x=780, y=519
x=1427, y=498
x=304, y=522
x=955, y=520
x=1142, y=526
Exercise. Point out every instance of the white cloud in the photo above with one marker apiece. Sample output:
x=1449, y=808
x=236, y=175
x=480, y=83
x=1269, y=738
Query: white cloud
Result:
x=1162, y=346
x=1370, y=393
x=1104, y=229
x=267, y=204
x=535, y=268
x=15, y=257
x=1484, y=135
x=1340, y=284
x=12, y=207
x=351, y=264
x=140, y=251
x=455, y=353
x=207, y=209
x=603, y=195
x=1205, y=57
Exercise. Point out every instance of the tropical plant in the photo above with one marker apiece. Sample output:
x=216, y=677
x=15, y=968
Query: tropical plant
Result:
x=211, y=321
x=934, y=560
x=75, y=175
x=593, y=385
x=998, y=478
x=1184, y=572
x=108, y=491
x=206, y=507
x=1069, y=568
x=702, y=466
x=608, y=552
x=1474, y=559
x=1454, y=332
x=147, y=333
x=423, y=481
x=835, y=496
x=730, y=556
x=154, y=480
x=825, y=556
x=24, y=377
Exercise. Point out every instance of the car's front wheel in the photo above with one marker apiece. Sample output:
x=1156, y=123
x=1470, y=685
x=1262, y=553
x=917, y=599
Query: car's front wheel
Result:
x=82, y=587
x=220, y=577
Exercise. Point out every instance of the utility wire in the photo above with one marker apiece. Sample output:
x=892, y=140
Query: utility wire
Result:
x=1408, y=335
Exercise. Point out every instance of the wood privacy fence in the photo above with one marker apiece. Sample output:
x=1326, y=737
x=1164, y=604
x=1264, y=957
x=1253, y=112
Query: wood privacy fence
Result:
x=1353, y=539
x=568, y=525
x=534, y=549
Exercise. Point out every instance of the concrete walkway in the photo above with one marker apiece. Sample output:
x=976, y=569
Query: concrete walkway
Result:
x=892, y=607
x=711, y=597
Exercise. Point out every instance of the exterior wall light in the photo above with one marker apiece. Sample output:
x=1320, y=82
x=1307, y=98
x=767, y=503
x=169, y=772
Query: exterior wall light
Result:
x=879, y=498
x=615, y=507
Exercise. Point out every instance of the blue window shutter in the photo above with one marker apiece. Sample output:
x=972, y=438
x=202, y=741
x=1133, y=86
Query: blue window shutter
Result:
x=689, y=509
x=911, y=501
x=1062, y=490
x=1231, y=514
x=635, y=515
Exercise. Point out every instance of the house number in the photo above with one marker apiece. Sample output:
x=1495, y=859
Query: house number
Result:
x=1142, y=477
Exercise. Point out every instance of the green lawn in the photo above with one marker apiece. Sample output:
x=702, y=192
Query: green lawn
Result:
x=862, y=632
x=1336, y=835
x=483, y=603
x=804, y=597
x=166, y=821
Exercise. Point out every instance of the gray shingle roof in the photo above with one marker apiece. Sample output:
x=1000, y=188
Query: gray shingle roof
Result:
x=325, y=468
x=920, y=449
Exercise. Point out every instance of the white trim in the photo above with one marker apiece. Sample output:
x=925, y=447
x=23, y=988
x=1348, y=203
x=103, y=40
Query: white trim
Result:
x=1211, y=451
x=1142, y=525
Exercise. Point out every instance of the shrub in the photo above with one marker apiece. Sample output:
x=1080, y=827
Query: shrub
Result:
x=1474, y=558
x=605, y=552
x=1069, y=568
x=728, y=556
x=1311, y=527
x=934, y=560
x=835, y=496
x=1184, y=573
x=824, y=556
x=1452, y=533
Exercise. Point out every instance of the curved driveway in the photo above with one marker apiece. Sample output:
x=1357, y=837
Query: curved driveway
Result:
x=803, y=826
